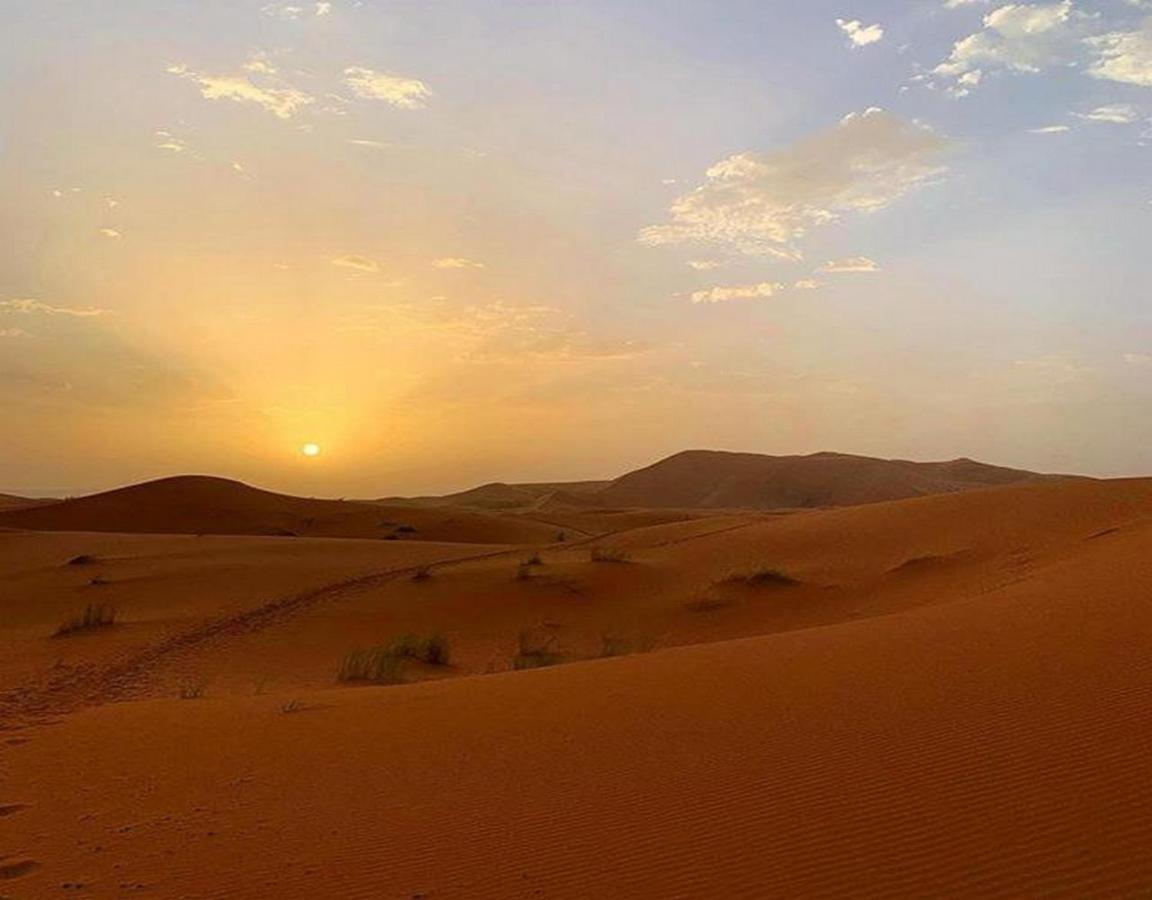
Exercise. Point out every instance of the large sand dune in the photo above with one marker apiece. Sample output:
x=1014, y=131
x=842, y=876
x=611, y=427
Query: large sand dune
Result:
x=711, y=479
x=943, y=696
x=204, y=505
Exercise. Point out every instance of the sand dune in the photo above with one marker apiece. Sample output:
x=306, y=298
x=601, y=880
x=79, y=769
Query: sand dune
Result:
x=203, y=505
x=942, y=696
x=9, y=501
x=710, y=479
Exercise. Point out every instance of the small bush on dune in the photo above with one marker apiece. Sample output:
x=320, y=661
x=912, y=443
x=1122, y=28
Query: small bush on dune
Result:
x=624, y=645
x=705, y=605
x=609, y=555
x=532, y=653
x=96, y=616
x=376, y=666
x=763, y=578
x=385, y=664
x=192, y=690
x=424, y=573
x=82, y=560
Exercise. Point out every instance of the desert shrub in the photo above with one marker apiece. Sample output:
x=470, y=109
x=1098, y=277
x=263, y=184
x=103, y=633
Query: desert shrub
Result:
x=767, y=577
x=385, y=664
x=406, y=529
x=532, y=653
x=96, y=616
x=705, y=605
x=609, y=555
x=193, y=690
x=82, y=560
x=292, y=706
x=624, y=645
x=424, y=573
x=378, y=665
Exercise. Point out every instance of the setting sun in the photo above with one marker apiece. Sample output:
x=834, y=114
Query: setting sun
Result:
x=310, y=450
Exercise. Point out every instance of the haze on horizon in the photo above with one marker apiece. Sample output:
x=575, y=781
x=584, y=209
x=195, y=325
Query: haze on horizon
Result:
x=474, y=240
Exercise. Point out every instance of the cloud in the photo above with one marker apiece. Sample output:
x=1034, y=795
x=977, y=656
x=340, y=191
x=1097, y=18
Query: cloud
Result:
x=807, y=284
x=28, y=307
x=859, y=34
x=360, y=263
x=111, y=233
x=166, y=140
x=851, y=265
x=1116, y=114
x=457, y=262
x=376, y=145
x=722, y=294
x=1050, y=129
x=12, y=332
x=1124, y=56
x=297, y=11
x=406, y=93
x=273, y=95
x=704, y=265
x=1140, y=360
x=762, y=203
x=1017, y=37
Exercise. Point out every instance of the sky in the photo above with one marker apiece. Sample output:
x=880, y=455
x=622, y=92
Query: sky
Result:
x=458, y=241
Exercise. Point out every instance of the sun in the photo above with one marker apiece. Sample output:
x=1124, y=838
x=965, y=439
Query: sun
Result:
x=310, y=450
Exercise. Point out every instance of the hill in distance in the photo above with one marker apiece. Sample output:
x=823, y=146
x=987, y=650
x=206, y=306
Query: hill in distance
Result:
x=712, y=479
x=195, y=504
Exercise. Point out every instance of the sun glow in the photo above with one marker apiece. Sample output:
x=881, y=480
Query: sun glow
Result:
x=310, y=450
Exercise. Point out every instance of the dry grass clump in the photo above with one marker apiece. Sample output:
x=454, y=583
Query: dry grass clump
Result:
x=533, y=653
x=386, y=664
x=625, y=645
x=424, y=573
x=609, y=555
x=95, y=617
x=762, y=578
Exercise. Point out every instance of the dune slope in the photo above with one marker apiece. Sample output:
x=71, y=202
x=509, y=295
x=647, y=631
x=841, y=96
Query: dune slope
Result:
x=945, y=696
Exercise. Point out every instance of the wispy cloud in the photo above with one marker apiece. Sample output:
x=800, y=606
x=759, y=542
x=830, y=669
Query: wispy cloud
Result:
x=762, y=203
x=28, y=306
x=457, y=262
x=1049, y=129
x=724, y=293
x=854, y=264
x=398, y=90
x=359, y=263
x=1124, y=56
x=260, y=87
x=1114, y=114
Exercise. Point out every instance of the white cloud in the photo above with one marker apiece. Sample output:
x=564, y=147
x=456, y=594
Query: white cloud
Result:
x=1116, y=114
x=807, y=284
x=720, y=294
x=111, y=233
x=1017, y=37
x=297, y=10
x=956, y=4
x=273, y=94
x=359, y=263
x=168, y=141
x=12, y=332
x=1050, y=129
x=854, y=264
x=761, y=203
x=1124, y=56
x=704, y=265
x=376, y=145
x=457, y=262
x=406, y=93
x=28, y=306
x=859, y=34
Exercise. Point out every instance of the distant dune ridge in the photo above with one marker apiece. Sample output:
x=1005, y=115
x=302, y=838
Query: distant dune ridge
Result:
x=713, y=479
x=696, y=480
